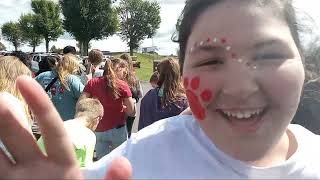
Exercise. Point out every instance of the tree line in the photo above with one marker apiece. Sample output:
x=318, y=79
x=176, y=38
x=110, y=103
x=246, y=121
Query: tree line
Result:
x=85, y=20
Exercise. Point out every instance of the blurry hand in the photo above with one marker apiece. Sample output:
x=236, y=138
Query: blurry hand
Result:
x=30, y=162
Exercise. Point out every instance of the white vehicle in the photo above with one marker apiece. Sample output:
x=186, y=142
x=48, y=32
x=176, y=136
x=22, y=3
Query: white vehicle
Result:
x=36, y=59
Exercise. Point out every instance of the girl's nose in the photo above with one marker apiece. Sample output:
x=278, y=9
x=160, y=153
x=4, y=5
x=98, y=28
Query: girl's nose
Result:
x=240, y=83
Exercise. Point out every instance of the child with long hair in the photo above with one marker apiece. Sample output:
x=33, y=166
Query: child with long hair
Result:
x=115, y=97
x=168, y=99
x=63, y=86
x=135, y=87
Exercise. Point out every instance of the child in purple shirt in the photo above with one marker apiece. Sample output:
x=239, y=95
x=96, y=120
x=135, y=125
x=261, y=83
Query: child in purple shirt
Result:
x=168, y=99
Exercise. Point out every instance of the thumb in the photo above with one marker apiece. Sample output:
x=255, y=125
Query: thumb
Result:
x=120, y=168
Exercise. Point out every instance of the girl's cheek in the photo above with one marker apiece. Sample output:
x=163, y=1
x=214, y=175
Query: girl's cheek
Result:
x=198, y=95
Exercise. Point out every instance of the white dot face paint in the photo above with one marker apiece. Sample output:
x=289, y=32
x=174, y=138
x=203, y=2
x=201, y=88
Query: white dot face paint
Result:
x=215, y=40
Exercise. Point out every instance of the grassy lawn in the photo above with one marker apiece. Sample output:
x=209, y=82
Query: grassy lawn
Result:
x=146, y=67
x=145, y=71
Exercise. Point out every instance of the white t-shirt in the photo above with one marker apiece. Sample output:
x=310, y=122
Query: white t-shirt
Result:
x=178, y=148
x=83, y=140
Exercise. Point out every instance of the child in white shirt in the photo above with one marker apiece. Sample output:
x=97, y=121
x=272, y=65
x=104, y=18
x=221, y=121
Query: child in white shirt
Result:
x=81, y=130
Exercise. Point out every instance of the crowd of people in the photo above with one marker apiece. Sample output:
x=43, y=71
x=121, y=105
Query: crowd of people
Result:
x=228, y=116
x=111, y=82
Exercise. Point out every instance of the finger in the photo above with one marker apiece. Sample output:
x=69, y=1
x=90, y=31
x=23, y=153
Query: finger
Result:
x=56, y=140
x=16, y=137
x=120, y=168
x=5, y=164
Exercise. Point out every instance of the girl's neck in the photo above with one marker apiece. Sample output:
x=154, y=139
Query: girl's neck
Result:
x=81, y=121
x=257, y=153
x=97, y=65
x=279, y=153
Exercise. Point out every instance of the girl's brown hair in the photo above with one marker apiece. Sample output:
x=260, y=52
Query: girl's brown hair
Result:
x=67, y=66
x=111, y=79
x=170, y=81
x=194, y=8
x=130, y=77
x=120, y=63
x=95, y=56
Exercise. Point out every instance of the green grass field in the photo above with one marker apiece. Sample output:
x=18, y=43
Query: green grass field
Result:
x=146, y=70
x=146, y=66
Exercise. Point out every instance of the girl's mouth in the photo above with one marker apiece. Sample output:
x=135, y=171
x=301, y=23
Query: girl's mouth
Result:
x=244, y=120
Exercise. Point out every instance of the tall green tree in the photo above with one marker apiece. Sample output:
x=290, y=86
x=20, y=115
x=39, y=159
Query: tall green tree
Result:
x=11, y=32
x=80, y=46
x=2, y=47
x=89, y=19
x=29, y=30
x=48, y=21
x=139, y=19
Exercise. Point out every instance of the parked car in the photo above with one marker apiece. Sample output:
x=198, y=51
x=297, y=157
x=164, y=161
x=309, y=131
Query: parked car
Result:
x=37, y=58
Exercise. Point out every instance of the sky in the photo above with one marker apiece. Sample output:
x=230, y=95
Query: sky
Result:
x=10, y=10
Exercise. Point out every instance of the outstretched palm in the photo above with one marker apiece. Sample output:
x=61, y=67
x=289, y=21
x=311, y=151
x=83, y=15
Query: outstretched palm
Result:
x=30, y=162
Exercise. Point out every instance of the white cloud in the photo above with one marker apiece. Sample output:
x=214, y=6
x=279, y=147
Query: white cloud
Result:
x=10, y=10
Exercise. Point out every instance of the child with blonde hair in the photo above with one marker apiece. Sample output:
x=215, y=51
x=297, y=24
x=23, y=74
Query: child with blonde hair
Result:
x=89, y=112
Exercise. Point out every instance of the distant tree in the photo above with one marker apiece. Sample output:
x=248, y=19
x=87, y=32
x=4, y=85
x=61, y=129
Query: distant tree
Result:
x=89, y=19
x=11, y=32
x=48, y=21
x=54, y=49
x=29, y=31
x=80, y=46
x=139, y=19
x=2, y=47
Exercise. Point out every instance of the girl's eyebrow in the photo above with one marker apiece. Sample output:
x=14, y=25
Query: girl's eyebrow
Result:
x=270, y=42
x=209, y=48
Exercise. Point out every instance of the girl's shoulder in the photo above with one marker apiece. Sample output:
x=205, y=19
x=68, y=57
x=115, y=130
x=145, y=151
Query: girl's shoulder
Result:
x=45, y=74
x=96, y=80
x=123, y=84
x=74, y=78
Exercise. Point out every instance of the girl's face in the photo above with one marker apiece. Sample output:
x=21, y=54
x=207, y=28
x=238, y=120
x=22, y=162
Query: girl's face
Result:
x=120, y=71
x=243, y=74
x=154, y=84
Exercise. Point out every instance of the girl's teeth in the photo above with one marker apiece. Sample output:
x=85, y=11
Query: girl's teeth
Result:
x=244, y=114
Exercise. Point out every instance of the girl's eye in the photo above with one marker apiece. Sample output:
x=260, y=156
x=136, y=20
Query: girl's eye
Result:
x=269, y=56
x=210, y=62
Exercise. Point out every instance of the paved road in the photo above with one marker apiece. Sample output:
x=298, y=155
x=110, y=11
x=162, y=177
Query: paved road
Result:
x=146, y=87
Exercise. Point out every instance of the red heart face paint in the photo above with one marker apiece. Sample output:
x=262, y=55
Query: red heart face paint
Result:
x=234, y=55
x=197, y=109
x=195, y=83
x=186, y=83
x=223, y=40
x=194, y=100
x=206, y=95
